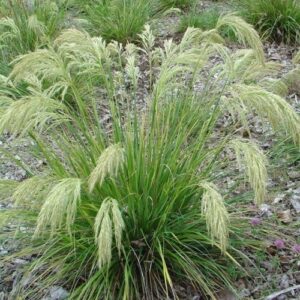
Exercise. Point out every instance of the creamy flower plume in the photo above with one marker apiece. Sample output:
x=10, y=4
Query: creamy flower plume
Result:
x=60, y=206
x=254, y=161
x=216, y=215
x=108, y=220
x=108, y=164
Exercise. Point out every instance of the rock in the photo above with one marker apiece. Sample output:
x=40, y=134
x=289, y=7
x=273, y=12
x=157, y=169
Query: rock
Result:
x=295, y=201
x=2, y=296
x=245, y=293
x=279, y=198
x=282, y=297
x=226, y=295
x=265, y=209
x=58, y=293
x=284, y=282
x=297, y=277
x=3, y=252
x=294, y=175
x=19, y=261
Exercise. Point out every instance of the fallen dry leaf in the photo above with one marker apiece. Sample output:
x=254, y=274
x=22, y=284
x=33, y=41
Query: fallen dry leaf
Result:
x=285, y=216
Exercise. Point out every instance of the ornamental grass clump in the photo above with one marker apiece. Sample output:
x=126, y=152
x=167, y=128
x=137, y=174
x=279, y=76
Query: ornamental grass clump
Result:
x=181, y=4
x=27, y=25
x=131, y=208
x=120, y=20
x=277, y=20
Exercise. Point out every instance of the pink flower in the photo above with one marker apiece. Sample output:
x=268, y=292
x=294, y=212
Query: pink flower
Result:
x=279, y=244
x=296, y=248
x=255, y=221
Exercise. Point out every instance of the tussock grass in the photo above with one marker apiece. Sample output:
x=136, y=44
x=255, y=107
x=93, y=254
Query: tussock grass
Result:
x=182, y=4
x=120, y=20
x=26, y=27
x=130, y=210
x=278, y=20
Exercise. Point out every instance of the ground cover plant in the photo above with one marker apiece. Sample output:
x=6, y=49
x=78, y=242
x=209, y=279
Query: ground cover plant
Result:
x=278, y=20
x=129, y=207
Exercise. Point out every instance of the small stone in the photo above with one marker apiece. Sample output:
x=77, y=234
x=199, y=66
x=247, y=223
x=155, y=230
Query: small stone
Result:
x=58, y=293
x=266, y=209
x=245, y=293
x=297, y=277
x=3, y=252
x=295, y=201
x=284, y=282
x=294, y=175
x=19, y=261
x=3, y=296
x=279, y=198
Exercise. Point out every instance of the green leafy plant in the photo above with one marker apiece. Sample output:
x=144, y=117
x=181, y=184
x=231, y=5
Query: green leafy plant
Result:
x=129, y=208
x=278, y=20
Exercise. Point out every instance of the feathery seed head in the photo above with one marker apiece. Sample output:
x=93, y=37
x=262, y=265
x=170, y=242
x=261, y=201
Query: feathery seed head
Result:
x=38, y=112
x=132, y=70
x=60, y=206
x=277, y=110
x=147, y=37
x=118, y=222
x=31, y=189
x=35, y=25
x=216, y=215
x=254, y=161
x=109, y=217
x=244, y=32
x=108, y=164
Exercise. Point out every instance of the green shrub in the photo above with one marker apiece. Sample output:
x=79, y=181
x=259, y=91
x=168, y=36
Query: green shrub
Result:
x=127, y=209
x=278, y=20
x=120, y=20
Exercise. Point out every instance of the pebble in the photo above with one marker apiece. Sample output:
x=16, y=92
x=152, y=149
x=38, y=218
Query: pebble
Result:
x=284, y=282
x=295, y=199
x=58, y=293
x=279, y=198
x=19, y=261
x=282, y=297
x=266, y=209
x=294, y=175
